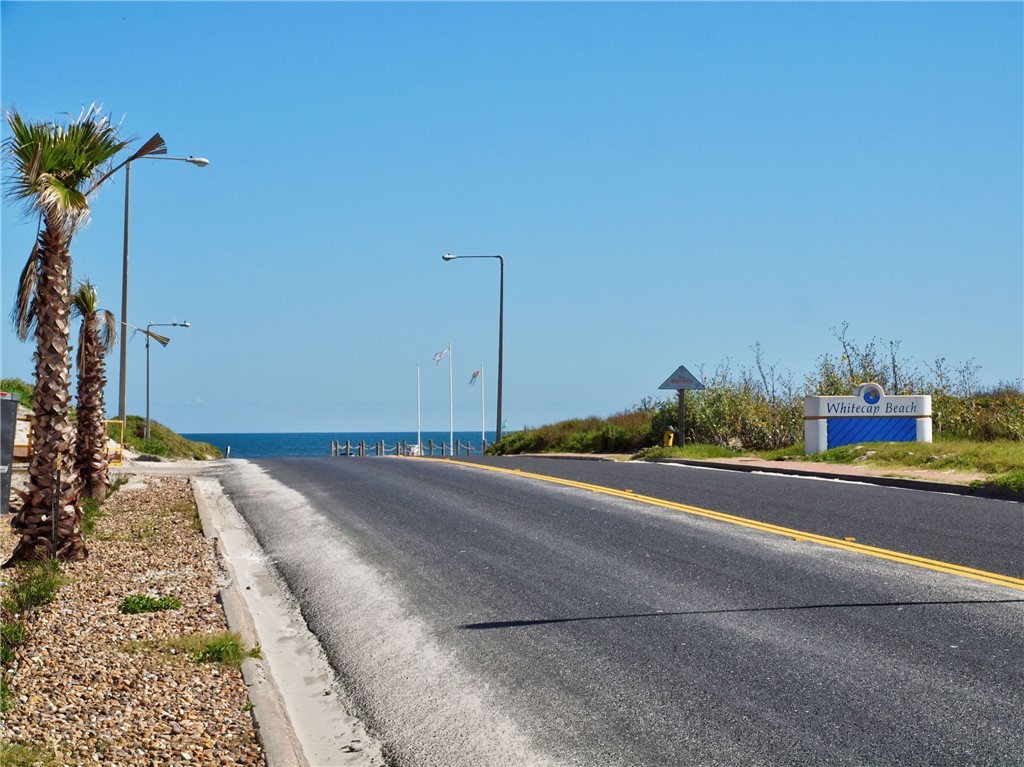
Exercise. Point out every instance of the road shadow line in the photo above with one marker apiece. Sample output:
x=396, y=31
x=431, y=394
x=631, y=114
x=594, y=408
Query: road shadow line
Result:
x=737, y=610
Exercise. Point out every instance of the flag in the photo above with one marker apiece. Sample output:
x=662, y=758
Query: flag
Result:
x=441, y=355
x=472, y=379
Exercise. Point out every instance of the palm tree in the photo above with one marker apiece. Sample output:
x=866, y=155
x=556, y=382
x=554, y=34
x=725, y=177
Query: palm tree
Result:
x=52, y=170
x=96, y=339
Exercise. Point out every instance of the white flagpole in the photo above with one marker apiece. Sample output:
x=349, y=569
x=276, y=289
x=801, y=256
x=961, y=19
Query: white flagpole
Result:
x=483, y=436
x=451, y=404
x=419, y=440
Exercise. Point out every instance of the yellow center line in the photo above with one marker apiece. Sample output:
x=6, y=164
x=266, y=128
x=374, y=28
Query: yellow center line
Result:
x=824, y=540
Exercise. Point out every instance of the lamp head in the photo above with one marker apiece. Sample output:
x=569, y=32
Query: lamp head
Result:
x=185, y=324
x=448, y=257
x=155, y=145
x=199, y=162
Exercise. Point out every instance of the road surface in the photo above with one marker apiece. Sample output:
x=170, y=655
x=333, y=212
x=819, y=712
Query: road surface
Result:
x=487, y=618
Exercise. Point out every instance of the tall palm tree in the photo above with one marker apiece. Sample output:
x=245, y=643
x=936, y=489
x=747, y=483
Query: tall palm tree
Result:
x=52, y=169
x=96, y=339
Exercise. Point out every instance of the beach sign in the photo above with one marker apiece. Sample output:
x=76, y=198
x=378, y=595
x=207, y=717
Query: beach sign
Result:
x=869, y=415
x=682, y=380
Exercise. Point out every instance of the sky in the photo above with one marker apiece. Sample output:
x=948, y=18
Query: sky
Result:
x=668, y=183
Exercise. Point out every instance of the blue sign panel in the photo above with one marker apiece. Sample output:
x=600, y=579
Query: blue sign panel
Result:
x=850, y=431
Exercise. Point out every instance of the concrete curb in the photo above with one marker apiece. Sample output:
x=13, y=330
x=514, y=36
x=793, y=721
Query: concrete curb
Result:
x=281, y=747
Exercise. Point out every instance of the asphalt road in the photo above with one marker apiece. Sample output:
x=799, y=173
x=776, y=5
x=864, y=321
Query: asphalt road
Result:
x=481, y=618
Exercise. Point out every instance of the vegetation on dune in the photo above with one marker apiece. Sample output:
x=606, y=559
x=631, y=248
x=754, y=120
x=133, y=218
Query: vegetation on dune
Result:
x=19, y=387
x=162, y=442
x=761, y=411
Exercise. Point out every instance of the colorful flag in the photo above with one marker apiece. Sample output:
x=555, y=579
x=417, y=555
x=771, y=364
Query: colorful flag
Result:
x=476, y=375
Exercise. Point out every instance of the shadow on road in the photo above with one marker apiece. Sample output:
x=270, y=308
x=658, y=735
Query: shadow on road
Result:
x=661, y=614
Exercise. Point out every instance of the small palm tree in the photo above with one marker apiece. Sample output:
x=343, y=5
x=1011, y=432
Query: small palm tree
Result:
x=52, y=169
x=96, y=339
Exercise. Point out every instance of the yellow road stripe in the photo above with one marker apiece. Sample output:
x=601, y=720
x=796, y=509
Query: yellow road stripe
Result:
x=824, y=540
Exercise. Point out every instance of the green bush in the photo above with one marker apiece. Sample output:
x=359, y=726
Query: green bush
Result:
x=24, y=390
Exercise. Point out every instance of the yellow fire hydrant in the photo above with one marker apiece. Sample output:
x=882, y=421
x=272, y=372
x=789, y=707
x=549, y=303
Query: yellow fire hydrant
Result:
x=668, y=439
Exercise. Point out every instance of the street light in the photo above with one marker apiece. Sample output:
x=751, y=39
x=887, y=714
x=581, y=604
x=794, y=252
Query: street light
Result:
x=163, y=341
x=501, y=328
x=155, y=146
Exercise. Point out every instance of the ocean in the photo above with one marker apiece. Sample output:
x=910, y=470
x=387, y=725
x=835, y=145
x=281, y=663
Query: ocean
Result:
x=281, y=445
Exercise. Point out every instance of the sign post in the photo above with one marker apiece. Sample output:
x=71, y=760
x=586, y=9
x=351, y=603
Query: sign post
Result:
x=682, y=380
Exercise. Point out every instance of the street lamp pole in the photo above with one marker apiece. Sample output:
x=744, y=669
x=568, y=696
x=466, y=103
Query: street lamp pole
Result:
x=163, y=341
x=155, y=146
x=501, y=329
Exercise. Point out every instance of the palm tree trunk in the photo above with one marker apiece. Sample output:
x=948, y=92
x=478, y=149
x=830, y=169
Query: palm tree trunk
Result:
x=52, y=430
x=91, y=448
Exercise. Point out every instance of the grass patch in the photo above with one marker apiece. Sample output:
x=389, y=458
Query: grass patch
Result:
x=6, y=700
x=997, y=457
x=11, y=635
x=90, y=513
x=190, y=513
x=19, y=755
x=224, y=648
x=143, y=603
x=1010, y=485
x=696, y=452
x=116, y=485
x=34, y=584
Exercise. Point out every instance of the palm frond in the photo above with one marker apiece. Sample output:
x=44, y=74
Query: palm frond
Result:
x=53, y=166
x=100, y=325
x=23, y=313
x=107, y=328
x=85, y=299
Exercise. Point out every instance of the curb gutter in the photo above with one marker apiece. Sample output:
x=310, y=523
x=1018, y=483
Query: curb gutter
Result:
x=281, y=748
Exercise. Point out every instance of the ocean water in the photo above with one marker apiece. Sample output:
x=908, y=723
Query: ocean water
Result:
x=281, y=445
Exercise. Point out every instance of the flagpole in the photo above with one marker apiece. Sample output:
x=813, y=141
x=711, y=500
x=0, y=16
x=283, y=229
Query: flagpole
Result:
x=451, y=403
x=419, y=439
x=483, y=437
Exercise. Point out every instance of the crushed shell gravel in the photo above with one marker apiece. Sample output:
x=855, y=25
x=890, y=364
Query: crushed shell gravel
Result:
x=83, y=684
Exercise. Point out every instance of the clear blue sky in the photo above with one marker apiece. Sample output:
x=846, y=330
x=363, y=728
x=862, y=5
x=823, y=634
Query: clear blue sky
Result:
x=670, y=183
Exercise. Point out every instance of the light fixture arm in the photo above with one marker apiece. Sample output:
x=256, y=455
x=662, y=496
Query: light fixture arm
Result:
x=501, y=332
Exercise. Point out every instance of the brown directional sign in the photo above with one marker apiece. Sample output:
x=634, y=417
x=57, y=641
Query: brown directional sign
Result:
x=682, y=379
